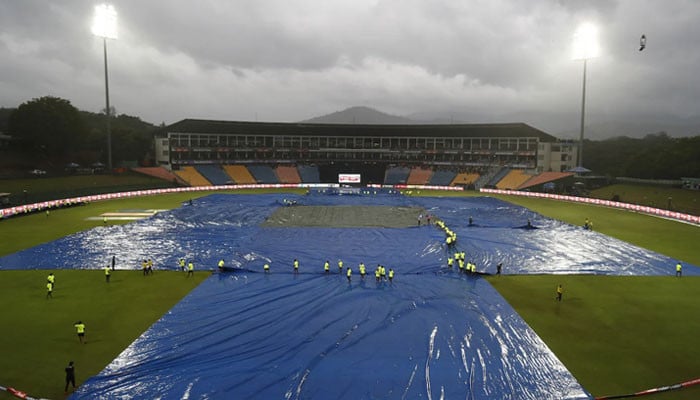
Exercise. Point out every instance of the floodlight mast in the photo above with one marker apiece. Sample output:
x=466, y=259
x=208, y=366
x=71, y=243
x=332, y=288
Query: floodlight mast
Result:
x=585, y=47
x=583, y=115
x=105, y=26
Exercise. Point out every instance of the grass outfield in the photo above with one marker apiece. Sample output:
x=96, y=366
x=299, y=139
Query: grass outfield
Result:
x=616, y=334
x=40, y=340
x=606, y=331
x=44, y=188
x=75, y=182
x=683, y=200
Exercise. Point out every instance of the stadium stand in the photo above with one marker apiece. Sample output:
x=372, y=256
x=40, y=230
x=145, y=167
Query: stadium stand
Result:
x=396, y=175
x=485, y=176
x=371, y=173
x=287, y=174
x=309, y=173
x=419, y=176
x=240, y=174
x=192, y=177
x=513, y=180
x=161, y=173
x=263, y=173
x=442, y=177
x=543, y=178
x=214, y=174
x=464, y=178
x=373, y=151
x=497, y=177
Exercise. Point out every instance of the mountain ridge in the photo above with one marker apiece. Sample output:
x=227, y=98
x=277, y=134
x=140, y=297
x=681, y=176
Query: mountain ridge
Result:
x=561, y=125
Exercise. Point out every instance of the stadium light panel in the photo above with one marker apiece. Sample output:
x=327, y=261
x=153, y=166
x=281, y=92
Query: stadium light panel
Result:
x=586, y=42
x=104, y=23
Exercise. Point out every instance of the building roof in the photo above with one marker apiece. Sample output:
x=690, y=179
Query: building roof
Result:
x=307, y=129
x=544, y=178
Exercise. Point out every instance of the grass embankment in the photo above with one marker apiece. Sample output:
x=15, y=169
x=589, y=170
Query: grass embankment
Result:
x=40, y=338
x=44, y=188
x=682, y=200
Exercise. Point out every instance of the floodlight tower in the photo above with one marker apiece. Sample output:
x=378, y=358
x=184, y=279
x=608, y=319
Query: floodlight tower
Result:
x=585, y=47
x=104, y=25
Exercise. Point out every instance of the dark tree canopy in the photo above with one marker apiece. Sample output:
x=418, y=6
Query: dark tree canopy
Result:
x=51, y=129
x=656, y=156
x=48, y=125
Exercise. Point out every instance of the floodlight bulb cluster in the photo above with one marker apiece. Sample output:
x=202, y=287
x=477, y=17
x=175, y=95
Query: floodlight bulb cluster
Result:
x=586, y=42
x=105, y=22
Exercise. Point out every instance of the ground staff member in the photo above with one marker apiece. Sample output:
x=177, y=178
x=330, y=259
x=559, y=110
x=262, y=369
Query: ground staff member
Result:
x=80, y=329
x=70, y=376
x=190, y=269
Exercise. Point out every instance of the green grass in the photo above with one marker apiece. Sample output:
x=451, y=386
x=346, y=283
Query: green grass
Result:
x=43, y=188
x=40, y=339
x=683, y=200
x=615, y=334
x=74, y=182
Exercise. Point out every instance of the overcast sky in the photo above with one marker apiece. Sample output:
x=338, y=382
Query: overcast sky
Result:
x=290, y=60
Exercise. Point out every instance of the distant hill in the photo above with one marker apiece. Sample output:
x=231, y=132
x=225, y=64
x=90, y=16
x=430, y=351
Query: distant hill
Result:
x=360, y=115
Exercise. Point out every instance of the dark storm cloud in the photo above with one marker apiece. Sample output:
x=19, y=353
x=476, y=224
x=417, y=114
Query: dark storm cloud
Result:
x=290, y=60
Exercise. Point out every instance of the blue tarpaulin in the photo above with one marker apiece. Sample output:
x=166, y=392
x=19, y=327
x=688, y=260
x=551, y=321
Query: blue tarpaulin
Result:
x=432, y=333
x=221, y=226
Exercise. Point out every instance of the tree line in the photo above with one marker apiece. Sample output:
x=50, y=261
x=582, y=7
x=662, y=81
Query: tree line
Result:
x=50, y=132
x=655, y=156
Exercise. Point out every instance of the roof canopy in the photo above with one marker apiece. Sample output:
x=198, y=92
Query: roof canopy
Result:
x=306, y=129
